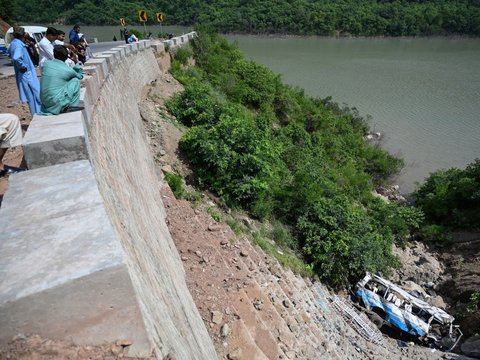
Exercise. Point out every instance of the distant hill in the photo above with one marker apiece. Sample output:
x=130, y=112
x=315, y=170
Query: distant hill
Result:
x=302, y=17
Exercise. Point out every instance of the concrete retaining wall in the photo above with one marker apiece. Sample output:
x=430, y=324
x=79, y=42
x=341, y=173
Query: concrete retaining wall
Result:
x=140, y=293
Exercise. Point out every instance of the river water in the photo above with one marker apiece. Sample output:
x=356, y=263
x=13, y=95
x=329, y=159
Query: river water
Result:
x=423, y=94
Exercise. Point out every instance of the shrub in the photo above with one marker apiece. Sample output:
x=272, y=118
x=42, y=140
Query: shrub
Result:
x=194, y=197
x=214, y=214
x=474, y=303
x=237, y=226
x=434, y=233
x=183, y=53
x=452, y=197
x=342, y=243
x=176, y=184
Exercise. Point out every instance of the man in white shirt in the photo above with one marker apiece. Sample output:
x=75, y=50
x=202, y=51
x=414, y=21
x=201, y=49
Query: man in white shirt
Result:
x=45, y=46
x=72, y=51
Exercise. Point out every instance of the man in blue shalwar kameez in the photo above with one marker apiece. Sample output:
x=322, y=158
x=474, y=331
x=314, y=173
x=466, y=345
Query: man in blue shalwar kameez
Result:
x=60, y=84
x=27, y=81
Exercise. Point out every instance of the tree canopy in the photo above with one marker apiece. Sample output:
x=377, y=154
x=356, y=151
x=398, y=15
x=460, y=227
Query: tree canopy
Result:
x=302, y=17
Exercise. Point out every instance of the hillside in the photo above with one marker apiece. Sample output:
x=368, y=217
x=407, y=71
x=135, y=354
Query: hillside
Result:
x=302, y=17
x=252, y=306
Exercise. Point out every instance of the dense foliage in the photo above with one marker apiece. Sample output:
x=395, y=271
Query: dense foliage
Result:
x=306, y=17
x=270, y=149
x=452, y=197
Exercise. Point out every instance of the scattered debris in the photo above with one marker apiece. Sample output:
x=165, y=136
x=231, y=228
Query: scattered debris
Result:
x=356, y=321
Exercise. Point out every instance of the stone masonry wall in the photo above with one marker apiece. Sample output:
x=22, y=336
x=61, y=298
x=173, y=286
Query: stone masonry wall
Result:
x=128, y=183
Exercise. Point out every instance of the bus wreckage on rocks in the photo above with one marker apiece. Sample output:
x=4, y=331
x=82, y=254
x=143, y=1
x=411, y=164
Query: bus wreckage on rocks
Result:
x=387, y=303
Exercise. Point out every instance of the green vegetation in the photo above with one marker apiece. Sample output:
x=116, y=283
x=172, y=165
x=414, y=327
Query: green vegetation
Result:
x=300, y=162
x=236, y=226
x=303, y=17
x=452, y=197
x=176, y=184
x=182, y=54
x=474, y=303
x=214, y=214
x=286, y=257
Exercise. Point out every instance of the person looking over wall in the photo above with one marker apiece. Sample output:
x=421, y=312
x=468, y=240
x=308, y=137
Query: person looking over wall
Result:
x=72, y=50
x=132, y=38
x=73, y=35
x=45, y=46
x=81, y=54
x=60, y=84
x=88, y=51
x=60, y=38
x=61, y=41
x=10, y=136
x=25, y=75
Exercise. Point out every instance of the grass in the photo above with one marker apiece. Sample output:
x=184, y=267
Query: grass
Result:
x=237, y=226
x=176, y=184
x=214, y=214
x=286, y=257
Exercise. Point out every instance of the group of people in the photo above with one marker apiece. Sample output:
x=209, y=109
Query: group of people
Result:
x=59, y=87
x=58, y=90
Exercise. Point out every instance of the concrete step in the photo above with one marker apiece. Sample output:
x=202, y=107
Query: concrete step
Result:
x=55, y=139
x=62, y=270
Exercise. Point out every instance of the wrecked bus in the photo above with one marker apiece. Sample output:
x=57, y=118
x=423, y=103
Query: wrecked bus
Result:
x=387, y=303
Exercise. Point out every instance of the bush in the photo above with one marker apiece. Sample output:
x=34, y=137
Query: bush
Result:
x=452, y=197
x=176, y=184
x=183, y=53
x=474, y=303
x=434, y=233
x=214, y=214
x=342, y=242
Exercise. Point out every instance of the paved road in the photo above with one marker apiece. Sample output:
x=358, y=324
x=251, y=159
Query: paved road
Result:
x=6, y=68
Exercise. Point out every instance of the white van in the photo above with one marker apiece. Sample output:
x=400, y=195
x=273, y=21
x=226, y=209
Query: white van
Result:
x=36, y=32
x=3, y=47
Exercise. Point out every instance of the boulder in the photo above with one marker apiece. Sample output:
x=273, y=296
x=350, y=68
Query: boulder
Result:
x=471, y=347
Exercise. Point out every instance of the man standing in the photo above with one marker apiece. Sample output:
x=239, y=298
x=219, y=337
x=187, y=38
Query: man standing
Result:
x=45, y=46
x=60, y=90
x=73, y=35
x=25, y=75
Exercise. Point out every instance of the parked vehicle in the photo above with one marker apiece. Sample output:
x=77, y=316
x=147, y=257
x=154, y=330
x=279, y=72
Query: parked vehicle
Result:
x=387, y=303
x=36, y=32
x=3, y=47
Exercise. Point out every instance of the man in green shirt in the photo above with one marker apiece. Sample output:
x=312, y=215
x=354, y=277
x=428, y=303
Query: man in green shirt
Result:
x=60, y=84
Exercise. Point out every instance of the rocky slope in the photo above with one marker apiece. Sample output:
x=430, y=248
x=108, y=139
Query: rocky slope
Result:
x=253, y=308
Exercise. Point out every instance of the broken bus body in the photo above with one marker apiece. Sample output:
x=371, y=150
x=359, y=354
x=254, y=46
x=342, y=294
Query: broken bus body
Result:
x=406, y=312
